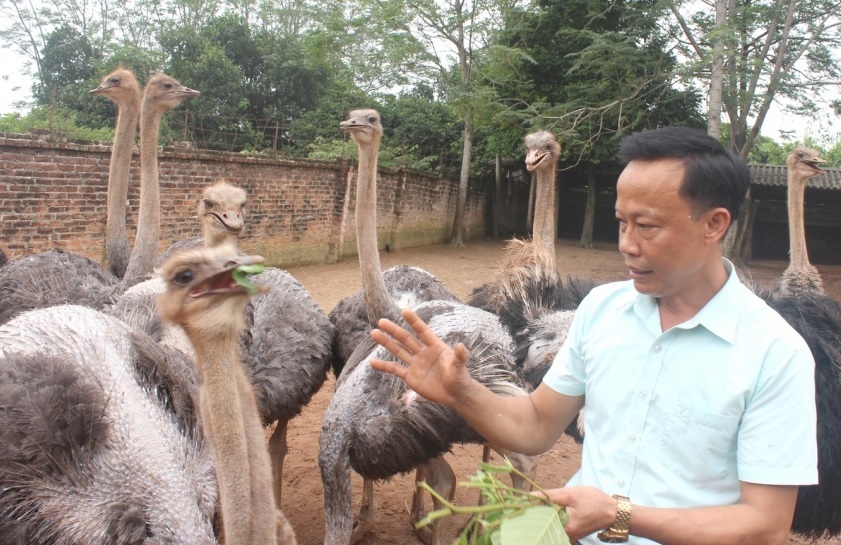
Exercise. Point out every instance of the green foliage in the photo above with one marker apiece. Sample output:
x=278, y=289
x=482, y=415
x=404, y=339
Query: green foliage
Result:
x=390, y=156
x=509, y=516
x=61, y=120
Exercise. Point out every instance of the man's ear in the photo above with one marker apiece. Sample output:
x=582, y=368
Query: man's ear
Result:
x=718, y=220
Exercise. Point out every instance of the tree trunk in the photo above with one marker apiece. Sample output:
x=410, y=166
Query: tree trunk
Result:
x=590, y=211
x=456, y=238
x=496, y=203
x=717, y=73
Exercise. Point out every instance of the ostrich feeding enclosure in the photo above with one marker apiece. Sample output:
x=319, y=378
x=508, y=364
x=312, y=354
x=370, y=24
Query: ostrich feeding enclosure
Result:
x=461, y=269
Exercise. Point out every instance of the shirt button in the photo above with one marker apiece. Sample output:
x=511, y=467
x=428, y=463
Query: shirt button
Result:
x=621, y=482
x=632, y=438
x=643, y=394
x=657, y=348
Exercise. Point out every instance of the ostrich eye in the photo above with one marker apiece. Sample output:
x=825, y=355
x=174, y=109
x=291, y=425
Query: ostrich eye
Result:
x=184, y=277
x=208, y=204
x=372, y=119
x=115, y=81
x=167, y=85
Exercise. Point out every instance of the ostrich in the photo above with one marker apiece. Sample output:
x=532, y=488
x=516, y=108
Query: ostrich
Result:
x=221, y=217
x=373, y=424
x=355, y=315
x=90, y=451
x=121, y=87
x=60, y=277
x=800, y=276
x=203, y=297
x=529, y=296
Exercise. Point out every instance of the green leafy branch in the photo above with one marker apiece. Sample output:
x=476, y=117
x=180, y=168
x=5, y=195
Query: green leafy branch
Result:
x=508, y=516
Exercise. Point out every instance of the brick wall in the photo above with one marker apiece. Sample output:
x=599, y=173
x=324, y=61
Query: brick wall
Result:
x=53, y=195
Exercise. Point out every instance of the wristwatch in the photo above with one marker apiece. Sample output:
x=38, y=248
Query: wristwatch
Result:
x=618, y=531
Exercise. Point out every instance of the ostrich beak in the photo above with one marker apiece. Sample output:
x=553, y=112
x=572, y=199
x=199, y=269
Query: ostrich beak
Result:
x=231, y=220
x=813, y=163
x=102, y=89
x=228, y=276
x=533, y=159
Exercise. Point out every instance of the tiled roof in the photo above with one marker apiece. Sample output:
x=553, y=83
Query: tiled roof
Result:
x=777, y=175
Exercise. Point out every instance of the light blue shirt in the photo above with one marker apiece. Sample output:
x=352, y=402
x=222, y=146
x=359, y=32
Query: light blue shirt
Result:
x=678, y=418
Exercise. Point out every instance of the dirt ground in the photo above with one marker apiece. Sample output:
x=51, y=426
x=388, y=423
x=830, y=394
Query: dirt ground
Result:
x=461, y=269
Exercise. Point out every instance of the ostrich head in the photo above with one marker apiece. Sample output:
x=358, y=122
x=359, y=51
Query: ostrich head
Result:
x=164, y=92
x=206, y=289
x=541, y=149
x=221, y=212
x=364, y=126
x=803, y=163
x=120, y=83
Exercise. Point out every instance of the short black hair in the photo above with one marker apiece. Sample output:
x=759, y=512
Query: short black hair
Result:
x=713, y=175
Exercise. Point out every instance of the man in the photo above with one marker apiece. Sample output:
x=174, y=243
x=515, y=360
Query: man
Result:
x=700, y=420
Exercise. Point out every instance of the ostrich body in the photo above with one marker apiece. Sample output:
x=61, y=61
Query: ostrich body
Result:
x=161, y=94
x=89, y=452
x=120, y=86
x=221, y=218
x=59, y=277
x=373, y=424
x=800, y=276
x=379, y=428
x=204, y=299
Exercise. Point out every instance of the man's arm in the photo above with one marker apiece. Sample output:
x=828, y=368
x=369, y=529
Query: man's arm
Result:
x=762, y=517
x=525, y=424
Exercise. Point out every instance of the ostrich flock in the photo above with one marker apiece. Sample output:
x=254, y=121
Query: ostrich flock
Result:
x=134, y=396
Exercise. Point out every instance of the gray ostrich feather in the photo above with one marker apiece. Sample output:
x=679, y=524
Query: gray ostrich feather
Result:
x=94, y=442
x=379, y=428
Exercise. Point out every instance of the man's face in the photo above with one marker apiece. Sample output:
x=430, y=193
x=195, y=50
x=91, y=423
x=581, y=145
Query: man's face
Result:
x=663, y=244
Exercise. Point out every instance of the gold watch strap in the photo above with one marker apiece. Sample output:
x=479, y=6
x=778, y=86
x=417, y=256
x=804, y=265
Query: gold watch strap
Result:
x=618, y=531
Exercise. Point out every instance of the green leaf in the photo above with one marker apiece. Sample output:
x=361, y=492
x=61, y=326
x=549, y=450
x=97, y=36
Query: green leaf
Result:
x=538, y=525
x=240, y=275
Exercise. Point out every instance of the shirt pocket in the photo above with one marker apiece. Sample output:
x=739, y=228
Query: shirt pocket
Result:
x=699, y=446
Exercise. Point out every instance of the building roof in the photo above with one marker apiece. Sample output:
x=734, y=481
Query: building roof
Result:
x=777, y=176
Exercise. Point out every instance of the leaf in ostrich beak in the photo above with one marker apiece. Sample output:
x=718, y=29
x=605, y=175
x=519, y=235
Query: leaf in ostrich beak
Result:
x=240, y=275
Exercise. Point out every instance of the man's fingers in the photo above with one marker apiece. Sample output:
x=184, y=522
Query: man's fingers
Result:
x=409, y=341
x=389, y=367
x=462, y=354
x=426, y=335
x=392, y=345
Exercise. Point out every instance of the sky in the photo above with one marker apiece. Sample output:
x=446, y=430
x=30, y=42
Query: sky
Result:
x=14, y=86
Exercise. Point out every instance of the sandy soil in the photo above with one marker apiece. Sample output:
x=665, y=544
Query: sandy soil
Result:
x=462, y=269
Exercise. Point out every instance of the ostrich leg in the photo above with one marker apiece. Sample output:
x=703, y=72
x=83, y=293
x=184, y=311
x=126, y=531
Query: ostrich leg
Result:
x=277, y=451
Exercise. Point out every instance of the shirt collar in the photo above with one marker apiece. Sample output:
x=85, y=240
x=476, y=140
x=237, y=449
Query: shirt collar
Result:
x=718, y=315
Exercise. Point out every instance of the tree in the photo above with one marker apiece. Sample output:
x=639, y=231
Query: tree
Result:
x=773, y=50
x=587, y=75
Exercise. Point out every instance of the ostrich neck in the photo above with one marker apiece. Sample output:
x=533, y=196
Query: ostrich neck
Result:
x=116, y=241
x=224, y=425
x=796, y=231
x=543, y=230
x=378, y=303
x=214, y=238
x=149, y=216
